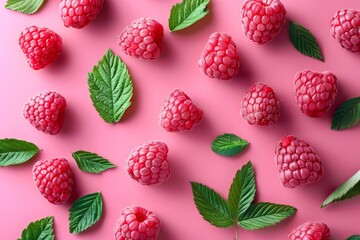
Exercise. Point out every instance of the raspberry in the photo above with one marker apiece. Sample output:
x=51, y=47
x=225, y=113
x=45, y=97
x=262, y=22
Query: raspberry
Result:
x=315, y=92
x=54, y=179
x=345, y=28
x=41, y=46
x=142, y=39
x=261, y=106
x=137, y=223
x=310, y=231
x=79, y=13
x=179, y=113
x=148, y=163
x=297, y=162
x=46, y=112
x=262, y=19
x=219, y=58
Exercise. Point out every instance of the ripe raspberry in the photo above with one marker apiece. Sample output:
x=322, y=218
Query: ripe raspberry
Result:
x=315, y=92
x=79, y=13
x=261, y=106
x=142, y=39
x=219, y=58
x=148, y=163
x=297, y=162
x=310, y=231
x=137, y=223
x=345, y=28
x=54, y=179
x=262, y=19
x=41, y=46
x=179, y=113
x=46, y=112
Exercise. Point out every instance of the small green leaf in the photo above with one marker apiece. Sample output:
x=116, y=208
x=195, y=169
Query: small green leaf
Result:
x=24, y=6
x=304, y=41
x=212, y=207
x=14, y=151
x=39, y=230
x=228, y=145
x=264, y=214
x=85, y=212
x=186, y=13
x=242, y=190
x=91, y=162
x=348, y=190
x=353, y=237
x=110, y=87
x=347, y=115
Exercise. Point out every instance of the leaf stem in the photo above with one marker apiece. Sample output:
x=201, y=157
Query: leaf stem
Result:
x=236, y=232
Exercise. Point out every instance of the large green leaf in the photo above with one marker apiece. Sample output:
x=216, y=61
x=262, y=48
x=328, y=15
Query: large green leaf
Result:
x=354, y=237
x=264, y=214
x=110, y=87
x=242, y=190
x=347, y=115
x=24, y=6
x=186, y=13
x=304, y=41
x=212, y=207
x=348, y=190
x=228, y=145
x=91, y=162
x=85, y=212
x=14, y=151
x=39, y=230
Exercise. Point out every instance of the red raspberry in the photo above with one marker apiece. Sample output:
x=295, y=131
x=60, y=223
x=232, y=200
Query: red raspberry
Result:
x=219, y=58
x=142, y=39
x=262, y=19
x=345, y=28
x=261, y=106
x=54, y=179
x=179, y=113
x=46, y=112
x=297, y=162
x=79, y=13
x=315, y=92
x=148, y=163
x=137, y=223
x=310, y=231
x=40, y=45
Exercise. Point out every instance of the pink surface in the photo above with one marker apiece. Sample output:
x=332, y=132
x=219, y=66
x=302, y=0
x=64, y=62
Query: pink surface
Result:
x=190, y=154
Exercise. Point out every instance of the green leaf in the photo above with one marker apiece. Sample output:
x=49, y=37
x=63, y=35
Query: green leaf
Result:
x=228, y=145
x=14, y=151
x=24, y=6
x=186, y=13
x=304, y=41
x=348, y=190
x=110, y=87
x=212, y=207
x=39, y=230
x=353, y=237
x=91, y=162
x=85, y=212
x=347, y=115
x=264, y=214
x=242, y=190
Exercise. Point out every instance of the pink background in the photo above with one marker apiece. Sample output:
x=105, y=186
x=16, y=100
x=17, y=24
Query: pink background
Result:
x=190, y=153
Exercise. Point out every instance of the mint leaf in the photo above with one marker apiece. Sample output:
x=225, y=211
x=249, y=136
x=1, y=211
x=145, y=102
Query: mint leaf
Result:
x=242, y=190
x=110, y=87
x=354, y=237
x=24, y=6
x=212, y=207
x=347, y=115
x=91, y=162
x=304, y=41
x=347, y=190
x=264, y=214
x=39, y=230
x=85, y=212
x=186, y=13
x=228, y=145
x=14, y=151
